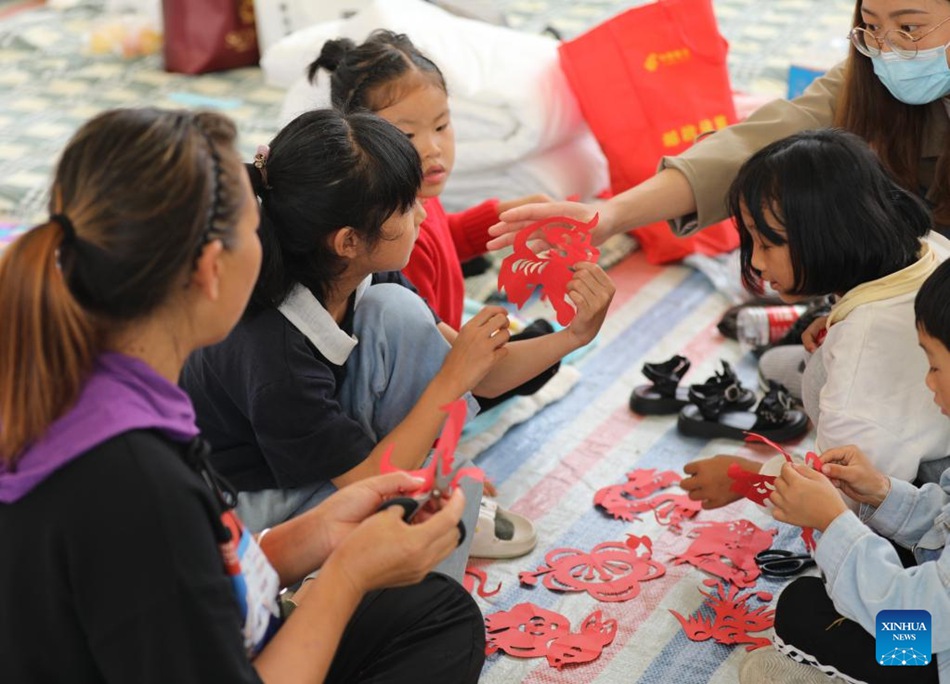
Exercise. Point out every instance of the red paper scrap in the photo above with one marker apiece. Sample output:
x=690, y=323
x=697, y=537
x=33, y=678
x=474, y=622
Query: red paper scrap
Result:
x=475, y=580
x=443, y=459
x=611, y=571
x=732, y=620
x=524, y=270
x=528, y=631
x=755, y=437
x=727, y=550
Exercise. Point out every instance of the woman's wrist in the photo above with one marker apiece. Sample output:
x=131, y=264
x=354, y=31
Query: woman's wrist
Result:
x=343, y=576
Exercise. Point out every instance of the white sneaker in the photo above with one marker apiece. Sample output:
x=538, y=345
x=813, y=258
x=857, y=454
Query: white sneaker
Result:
x=500, y=533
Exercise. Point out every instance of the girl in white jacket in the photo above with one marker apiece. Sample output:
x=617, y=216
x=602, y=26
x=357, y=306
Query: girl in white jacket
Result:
x=818, y=215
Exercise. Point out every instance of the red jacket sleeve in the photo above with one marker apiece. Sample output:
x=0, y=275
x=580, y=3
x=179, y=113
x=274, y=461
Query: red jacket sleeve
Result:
x=470, y=228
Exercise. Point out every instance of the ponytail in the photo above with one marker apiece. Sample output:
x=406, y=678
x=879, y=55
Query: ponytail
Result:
x=332, y=53
x=362, y=76
x=49, y=343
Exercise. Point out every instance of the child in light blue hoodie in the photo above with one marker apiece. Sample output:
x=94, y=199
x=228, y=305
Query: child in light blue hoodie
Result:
x=831, y=625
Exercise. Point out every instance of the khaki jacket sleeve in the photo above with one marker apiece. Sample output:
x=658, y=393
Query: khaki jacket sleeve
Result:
x=713, y=162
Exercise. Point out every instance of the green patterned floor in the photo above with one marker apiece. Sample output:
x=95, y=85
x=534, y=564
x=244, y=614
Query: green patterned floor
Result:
x=49, y=85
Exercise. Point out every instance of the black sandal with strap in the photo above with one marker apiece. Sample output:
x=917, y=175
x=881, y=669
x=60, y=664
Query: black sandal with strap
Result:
x=773, y=418
x=664, y=396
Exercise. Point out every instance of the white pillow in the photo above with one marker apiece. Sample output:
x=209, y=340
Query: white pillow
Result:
x=506, y=87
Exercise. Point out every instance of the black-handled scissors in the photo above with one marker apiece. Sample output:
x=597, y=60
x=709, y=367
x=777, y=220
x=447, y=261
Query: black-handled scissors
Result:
x=782, y=563
x=412, y=504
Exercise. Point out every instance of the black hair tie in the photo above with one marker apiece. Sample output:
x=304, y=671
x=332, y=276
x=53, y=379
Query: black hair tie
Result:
x=69, y=230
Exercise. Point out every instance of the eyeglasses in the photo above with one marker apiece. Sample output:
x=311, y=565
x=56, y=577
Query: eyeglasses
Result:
x=899, y=42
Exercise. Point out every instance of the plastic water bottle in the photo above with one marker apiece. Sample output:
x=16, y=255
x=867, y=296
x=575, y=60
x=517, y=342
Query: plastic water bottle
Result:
x=760, y=326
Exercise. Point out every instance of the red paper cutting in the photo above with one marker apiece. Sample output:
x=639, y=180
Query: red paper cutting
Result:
x=732, y=619
x=611, y=571
x=528, y=631
x=524, y=270
x=645, y=481
x=668, y=509
x=727, y=550
x=443, y=459
x=751, y=485
x=475, y=580
x=525, y=631
x=673, y=510
x=584, y=646
x=626, y=500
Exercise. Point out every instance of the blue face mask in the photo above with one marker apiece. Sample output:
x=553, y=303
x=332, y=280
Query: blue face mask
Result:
x=917, y=81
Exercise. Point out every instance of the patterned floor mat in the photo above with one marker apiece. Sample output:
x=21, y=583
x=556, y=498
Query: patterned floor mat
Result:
x=546, y=468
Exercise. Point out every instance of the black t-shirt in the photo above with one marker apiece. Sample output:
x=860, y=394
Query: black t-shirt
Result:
x=110, y=572
x=268, y=402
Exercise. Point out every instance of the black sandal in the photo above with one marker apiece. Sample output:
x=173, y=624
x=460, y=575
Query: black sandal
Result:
x=664, y=394
x=665, y=397
x=773, y=418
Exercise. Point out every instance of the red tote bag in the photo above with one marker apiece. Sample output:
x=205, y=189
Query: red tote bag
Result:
x=209, y=35
x=650, y=81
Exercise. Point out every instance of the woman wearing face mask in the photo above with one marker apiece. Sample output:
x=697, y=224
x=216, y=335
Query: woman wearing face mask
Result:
x=889, y=91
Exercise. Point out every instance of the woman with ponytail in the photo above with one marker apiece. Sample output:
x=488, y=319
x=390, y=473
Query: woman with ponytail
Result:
x=122, y=559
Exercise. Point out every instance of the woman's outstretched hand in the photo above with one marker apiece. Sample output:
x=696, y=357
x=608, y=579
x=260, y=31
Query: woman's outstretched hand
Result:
x=518, y=218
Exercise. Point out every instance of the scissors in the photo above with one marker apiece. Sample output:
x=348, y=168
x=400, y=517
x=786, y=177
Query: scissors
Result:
x=411, y=505
x=782, y=563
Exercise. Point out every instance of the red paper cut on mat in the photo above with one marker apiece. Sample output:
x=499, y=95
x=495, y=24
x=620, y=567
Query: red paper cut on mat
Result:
x=528, y=631
x=644, y=481
x=668, y=509
x=673, y=510
x=442, y=461
x=626, y=500
x=524, y=631
x=584, y=646
x=732, y=620
x=475, y=580
x=811, y=459
x=524, y=269
x=727, y=550
x=611, y=571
